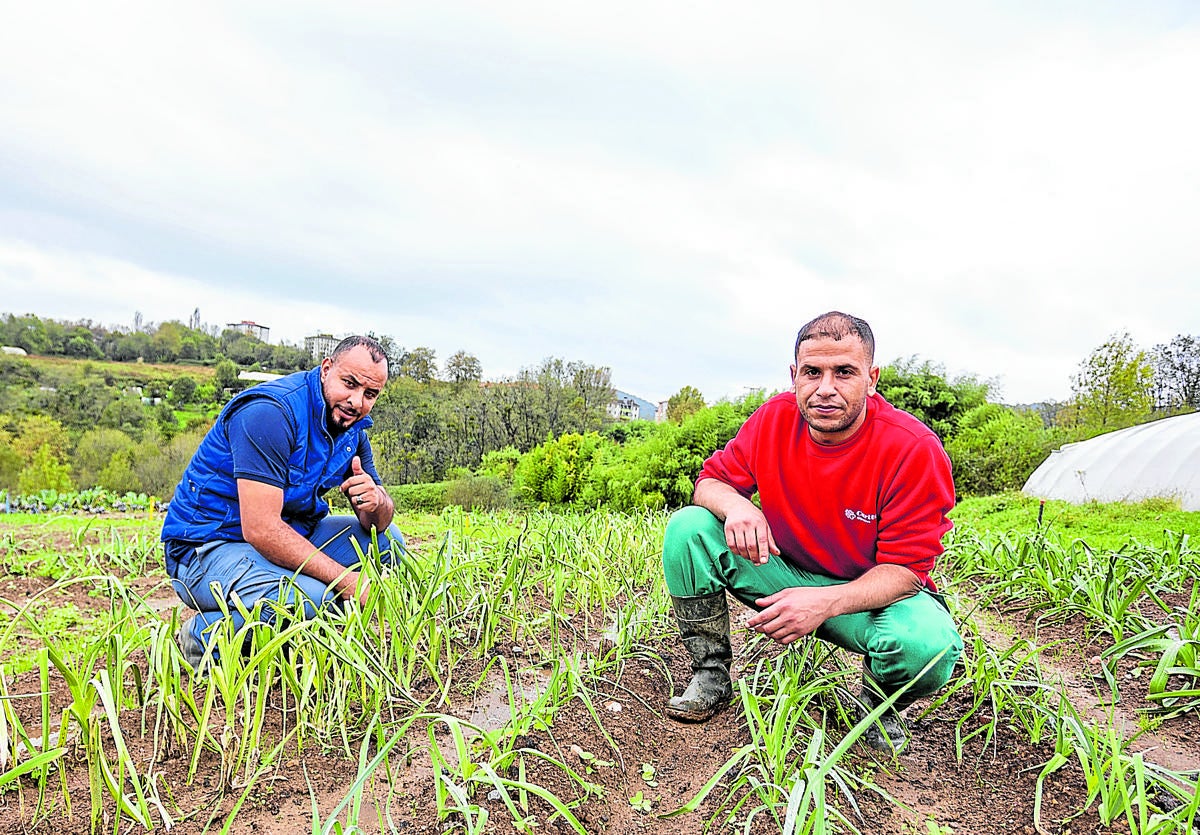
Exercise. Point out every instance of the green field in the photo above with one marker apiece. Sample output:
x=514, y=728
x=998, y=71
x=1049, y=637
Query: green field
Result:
x=475, y=691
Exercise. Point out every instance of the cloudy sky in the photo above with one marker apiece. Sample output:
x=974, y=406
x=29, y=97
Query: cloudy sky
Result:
x=668, y=189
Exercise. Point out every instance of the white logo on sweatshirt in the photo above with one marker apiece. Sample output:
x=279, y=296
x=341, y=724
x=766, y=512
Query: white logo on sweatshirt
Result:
x=859, y=516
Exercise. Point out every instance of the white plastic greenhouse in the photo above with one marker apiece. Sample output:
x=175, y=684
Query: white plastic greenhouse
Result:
x=1157, y=459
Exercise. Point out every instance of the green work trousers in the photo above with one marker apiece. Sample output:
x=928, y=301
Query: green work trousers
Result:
x=896, y=642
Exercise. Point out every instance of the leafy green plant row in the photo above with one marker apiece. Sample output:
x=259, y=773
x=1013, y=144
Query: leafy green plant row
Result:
x=1121, y=591
x=367, y=672
x=494, y=596
x=1130, y=595
x=94, y=500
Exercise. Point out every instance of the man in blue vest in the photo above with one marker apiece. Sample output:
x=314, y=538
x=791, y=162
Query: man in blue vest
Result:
x=249, y=518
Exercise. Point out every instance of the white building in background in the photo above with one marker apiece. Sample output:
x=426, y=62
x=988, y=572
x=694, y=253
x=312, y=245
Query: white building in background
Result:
x=623, y=408
x=629, y=407
x=260, y=332
x=320, y=345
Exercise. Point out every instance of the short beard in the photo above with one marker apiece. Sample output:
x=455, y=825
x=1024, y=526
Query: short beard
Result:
x=818, y=422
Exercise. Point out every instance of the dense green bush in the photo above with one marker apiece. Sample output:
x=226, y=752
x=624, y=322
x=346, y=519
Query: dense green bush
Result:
x=556, y=471
x=921, y=389
x=429, y=497
x=104, y=450
x=654, y=468
x=478, y=493
x=500, y=464
x=10, y=463
x=996, y=448
x=45, y=472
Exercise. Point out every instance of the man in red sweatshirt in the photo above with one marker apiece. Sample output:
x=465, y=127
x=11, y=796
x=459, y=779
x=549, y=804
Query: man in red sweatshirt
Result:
x=853, y=496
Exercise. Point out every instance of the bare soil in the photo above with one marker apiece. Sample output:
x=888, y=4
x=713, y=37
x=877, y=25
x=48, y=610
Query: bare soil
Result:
x=989, y=791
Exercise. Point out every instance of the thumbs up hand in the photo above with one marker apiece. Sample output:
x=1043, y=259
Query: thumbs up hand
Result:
x=360, y=489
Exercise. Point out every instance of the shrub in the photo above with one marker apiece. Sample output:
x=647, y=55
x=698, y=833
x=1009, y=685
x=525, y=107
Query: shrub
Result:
x=183, y=390
x=654, y=468
x=478, y=493
x=921, y=389
x=997, y=448
x=44, y=472
x=500, y=463
x=427, y=498
x=158, y=466
x=95, y=454
x=118, y=475
x=10, y=464
x=557, y=471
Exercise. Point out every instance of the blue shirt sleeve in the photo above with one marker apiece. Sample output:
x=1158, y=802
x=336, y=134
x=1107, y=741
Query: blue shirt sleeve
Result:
x=367, y=458
x=261, y=440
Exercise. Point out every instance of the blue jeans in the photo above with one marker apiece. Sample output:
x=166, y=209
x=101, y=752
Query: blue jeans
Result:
x=220, y=569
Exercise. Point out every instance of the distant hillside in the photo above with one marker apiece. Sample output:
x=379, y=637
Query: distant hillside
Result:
x=129, y=373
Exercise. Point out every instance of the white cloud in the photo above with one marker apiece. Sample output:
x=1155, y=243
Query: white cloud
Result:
x=667, y=189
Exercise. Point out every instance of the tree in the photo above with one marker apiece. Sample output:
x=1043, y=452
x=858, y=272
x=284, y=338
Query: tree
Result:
x=183, y=390
x=592, y=387
x=513, y=412
x=45, y=472
x=36, y=431
x=28, y=332
x=166, y=345
x=80, y=343
x=1177, y=374
x=463, y=368
x=286, y=358
x=127, y=413
x=131, y=346
x=95, y=453
x=197, y=345
x=226, y=375
x=683, y=403
x=393, y=352
x=419, y=364
x=241, y=347
x=1113, y=387
x=920, y=388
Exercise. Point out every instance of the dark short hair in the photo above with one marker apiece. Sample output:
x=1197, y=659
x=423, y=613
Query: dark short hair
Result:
x=837, y=326
x=351, y=342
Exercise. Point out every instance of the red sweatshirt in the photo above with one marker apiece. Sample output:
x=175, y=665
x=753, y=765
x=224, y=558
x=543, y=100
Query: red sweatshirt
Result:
x=880, y=497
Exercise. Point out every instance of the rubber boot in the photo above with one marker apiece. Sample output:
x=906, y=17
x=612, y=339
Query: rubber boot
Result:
x=704, y=626
x=889, y=733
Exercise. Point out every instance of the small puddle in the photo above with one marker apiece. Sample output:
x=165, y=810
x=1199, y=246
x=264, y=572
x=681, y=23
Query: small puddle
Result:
x=162, y=604
x=490, y=710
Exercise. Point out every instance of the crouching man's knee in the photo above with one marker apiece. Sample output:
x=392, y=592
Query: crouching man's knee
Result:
x=924, y=652
x=935, y=668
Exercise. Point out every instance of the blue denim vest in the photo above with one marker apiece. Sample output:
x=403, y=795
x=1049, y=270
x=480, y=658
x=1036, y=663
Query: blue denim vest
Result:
x=205, y=505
